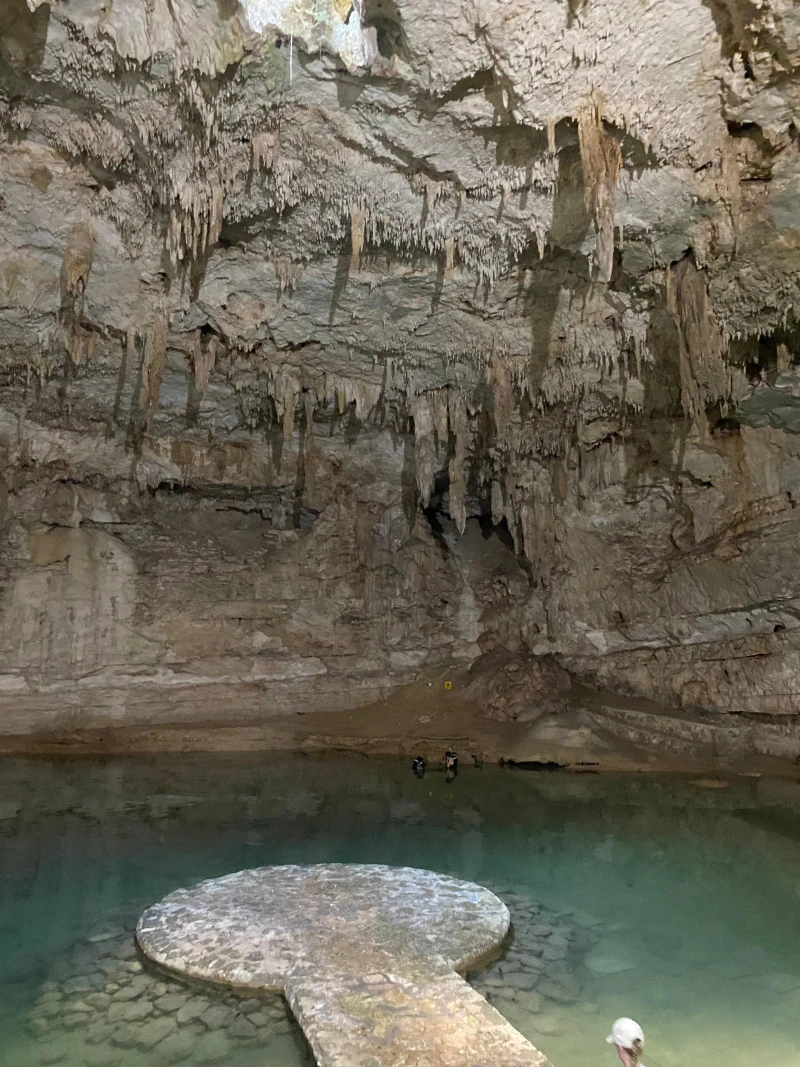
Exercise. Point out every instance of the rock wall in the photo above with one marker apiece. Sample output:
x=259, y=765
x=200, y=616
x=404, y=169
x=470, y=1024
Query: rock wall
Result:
x=203, y=599
x=338, y=346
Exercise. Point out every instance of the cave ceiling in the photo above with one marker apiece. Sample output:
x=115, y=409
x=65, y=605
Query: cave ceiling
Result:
x=520, y=225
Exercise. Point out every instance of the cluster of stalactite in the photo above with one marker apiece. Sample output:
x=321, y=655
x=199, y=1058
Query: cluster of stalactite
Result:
x=515, y=450
x=453, y=442
x=449, y=432
x=198, y=180
x=350, y=212
x=195, y=222
x=530, y=420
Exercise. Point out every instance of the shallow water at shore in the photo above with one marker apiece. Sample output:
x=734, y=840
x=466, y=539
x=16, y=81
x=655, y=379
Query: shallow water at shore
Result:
x=672, y=902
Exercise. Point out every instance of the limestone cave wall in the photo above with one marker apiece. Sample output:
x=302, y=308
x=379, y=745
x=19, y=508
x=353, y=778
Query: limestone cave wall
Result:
x=339, y=345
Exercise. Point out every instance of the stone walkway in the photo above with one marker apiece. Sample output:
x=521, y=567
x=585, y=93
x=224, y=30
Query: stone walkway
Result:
x=367, y=957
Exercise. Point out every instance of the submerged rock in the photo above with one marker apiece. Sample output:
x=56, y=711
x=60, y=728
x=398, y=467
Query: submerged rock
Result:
x=242, y=1028
x=216, y=1017
x=601, y=964
x=191, y=1010
x=547, y=1024
x=135, y=1012
x=154, y=1031
x=135, y=988
x=51, y=1054
x=81, y=984
x=259, y=1018
x=171, y=1002
x=174, y=1048
x=212, y=1048
x=101, y=1056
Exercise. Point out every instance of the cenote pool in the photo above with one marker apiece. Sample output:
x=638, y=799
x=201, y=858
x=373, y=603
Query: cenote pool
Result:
x=673, y=902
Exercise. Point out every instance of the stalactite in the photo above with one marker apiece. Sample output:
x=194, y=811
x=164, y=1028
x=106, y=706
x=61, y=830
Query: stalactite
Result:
x=204, y=358
x=511, y=511
x=195, y=221
x=458, y=464
x=288, y=273
x=81, y=343
x=440, y=419
x=286, y=393
x=88, y=339
x=432, y=191
x=424, y=446
x=309, y=406
x=358, y=220
x=601, y=157
x=527, y=524
x=345, y=391
x=498, y=507
x=265, y=149
x=155, y=352
x=149, y=474
x=551, y=136
x=704, y=378
x=499, y=378
x=78, y=259
x=215, y=218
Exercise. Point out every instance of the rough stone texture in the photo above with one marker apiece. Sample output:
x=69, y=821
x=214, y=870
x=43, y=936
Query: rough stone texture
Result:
x=276, y=277
x=365, y=954
x=256, y=928
x=390, y=1019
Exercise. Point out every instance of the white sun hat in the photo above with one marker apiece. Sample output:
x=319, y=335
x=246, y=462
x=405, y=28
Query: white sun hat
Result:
x=624, y=1032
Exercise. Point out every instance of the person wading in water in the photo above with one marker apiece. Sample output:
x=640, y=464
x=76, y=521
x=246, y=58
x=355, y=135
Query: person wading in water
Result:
x=628, y=1037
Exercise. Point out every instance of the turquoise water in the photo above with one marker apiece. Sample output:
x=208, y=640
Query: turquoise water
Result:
x=677, y=904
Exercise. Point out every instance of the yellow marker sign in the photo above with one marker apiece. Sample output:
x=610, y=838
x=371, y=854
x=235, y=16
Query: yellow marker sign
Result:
x=448, y=685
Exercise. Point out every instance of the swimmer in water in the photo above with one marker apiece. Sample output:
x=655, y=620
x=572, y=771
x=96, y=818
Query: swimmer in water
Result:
x=628, y=1038
x=418, y=767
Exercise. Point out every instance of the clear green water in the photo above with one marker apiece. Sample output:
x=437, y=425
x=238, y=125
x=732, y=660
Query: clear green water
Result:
x=694, y=892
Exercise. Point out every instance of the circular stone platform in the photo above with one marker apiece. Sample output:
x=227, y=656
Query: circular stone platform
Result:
x=366, y=956
x=255, y=928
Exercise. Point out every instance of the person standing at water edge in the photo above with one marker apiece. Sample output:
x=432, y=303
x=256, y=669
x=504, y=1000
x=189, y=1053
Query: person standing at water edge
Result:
x=628, y=1037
